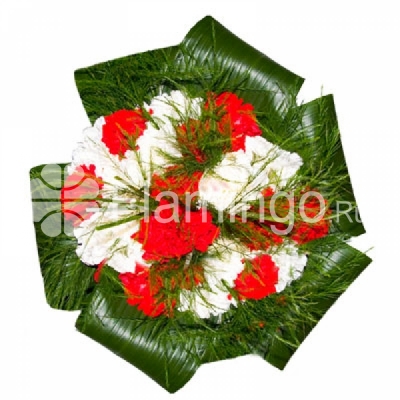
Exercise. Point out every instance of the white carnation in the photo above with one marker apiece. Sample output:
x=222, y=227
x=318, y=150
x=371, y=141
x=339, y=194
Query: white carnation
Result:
x=272, y=166
x=222, y=186
x=113, y=244
x=221, y=267
x=290, y=263
x=174, y=107
x=241, y=175
x=159, y=139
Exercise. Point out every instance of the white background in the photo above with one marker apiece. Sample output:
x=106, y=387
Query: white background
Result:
x=351, y=47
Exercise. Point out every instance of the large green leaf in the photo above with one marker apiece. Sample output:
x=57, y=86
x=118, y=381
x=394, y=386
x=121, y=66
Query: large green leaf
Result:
x=332, y=266
x=258, y=79
x=67, y=280
x=316, y=126
x=151, y=344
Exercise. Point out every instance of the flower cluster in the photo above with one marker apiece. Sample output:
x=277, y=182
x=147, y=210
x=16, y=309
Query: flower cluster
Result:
x=161, y=191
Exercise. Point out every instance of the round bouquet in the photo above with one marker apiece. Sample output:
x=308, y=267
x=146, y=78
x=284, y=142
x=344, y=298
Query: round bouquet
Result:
x=205, y=213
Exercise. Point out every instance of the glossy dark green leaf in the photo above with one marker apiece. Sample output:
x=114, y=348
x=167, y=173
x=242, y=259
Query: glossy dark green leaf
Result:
x=320, y=131
x=67, y=280
x=332, y=266
x=151, y=344
x=258, y=79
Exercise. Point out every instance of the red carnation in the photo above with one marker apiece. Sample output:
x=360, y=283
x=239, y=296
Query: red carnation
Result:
x=176, y=181
x=197, y=229
x=142, y=291
x=79, y=193
x=304, y=231
x=164, y=237
x=236, y=119
x=122, y=129
x=258, y=282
